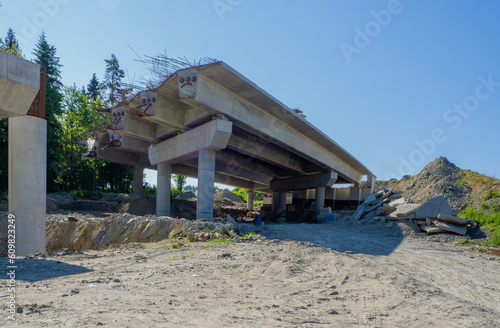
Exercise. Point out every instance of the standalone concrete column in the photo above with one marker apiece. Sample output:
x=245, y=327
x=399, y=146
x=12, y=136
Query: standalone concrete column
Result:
x=28, y=182
x=206, y=181
x=320, y=201
x=163, y=193
x=138, y=180
x=281, y=202
x=250, y=200
x=276, y=198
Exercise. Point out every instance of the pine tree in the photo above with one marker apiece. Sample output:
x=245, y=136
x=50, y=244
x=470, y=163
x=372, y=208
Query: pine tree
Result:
x=94, y=88
x=10, y=40
x=10, y=44
x=112, y=78
x=45, y=54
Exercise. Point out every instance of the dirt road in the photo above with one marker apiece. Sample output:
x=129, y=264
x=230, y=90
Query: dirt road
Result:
x=327, y=276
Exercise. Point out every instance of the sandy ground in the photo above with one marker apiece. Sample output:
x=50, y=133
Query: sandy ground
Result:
x=328, y=276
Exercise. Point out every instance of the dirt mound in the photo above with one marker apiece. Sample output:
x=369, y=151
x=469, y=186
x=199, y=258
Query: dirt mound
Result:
x=222, y=194
x=186, y=195
x=97, y=233
x=440, y=177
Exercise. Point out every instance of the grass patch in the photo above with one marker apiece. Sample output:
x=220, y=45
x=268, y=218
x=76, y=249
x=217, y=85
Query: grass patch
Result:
x=176, y=233
x=227, y=241
x=249, y=234
x=174, y=245
x=487, y=218
x=491, y=194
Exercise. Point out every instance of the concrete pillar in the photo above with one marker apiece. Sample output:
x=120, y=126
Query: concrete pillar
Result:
x=28, y=182
x=276, y=197
x=355, y=195
x=138, y=180
x=320, y=201
x=281, y=202
x=250, y=200
x=371, y=183
x=163, y=193
x=206, y=181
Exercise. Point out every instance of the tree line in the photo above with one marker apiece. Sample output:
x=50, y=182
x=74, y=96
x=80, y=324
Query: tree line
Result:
x=71, y=116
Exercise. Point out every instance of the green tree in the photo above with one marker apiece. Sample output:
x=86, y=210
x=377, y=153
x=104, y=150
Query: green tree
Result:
x=114, y=74
x=10, y=44
x=10, y=40
x=243, y=194
x=78, y=122
x=180, y=182
x=45, y=54
x=94, y=88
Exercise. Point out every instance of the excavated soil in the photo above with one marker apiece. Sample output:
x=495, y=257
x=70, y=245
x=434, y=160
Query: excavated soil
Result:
x=440, y=177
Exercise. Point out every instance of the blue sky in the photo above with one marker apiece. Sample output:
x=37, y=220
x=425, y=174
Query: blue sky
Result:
x=396, y=83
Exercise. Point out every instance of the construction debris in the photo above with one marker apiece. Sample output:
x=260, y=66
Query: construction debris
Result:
x=435, y=216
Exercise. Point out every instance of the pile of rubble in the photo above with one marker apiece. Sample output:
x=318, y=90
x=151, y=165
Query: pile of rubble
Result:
x=377, y=205
x=434, y=216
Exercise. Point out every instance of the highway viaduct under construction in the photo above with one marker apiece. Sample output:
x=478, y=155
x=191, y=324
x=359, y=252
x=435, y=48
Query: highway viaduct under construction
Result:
x=211, y=123
x=207, y=122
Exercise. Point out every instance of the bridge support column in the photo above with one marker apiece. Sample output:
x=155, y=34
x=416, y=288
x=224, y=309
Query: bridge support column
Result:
x=163, y=192
x=276, y=197
x=206, y=181
x=250, y=200
x=320, y=201
x=355, y=197
x=27, y=158
x=281, y=203
x=138, y=180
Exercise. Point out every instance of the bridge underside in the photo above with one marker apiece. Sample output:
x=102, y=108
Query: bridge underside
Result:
x=211, y=123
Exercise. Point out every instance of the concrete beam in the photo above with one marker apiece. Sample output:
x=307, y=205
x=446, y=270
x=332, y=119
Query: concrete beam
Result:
x=139, y=128
x=163, y=132
x=304, y=182
x=27, y=163
x=254, y=147
x=192, y=172
x=237, y=160
x=127, y=143
x=19, y=85
x=237, y=172
x=117, y=155
x=213, y=135
x=212, y=95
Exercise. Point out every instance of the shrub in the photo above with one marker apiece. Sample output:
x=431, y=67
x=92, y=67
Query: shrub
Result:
x=491, y=194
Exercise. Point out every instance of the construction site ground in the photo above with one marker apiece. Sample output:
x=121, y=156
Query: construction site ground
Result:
x=291, y=275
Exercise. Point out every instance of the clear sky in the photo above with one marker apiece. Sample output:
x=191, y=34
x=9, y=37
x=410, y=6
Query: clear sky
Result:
x=396, y=83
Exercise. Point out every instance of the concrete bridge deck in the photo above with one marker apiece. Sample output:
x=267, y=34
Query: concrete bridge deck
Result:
x=210, y=122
